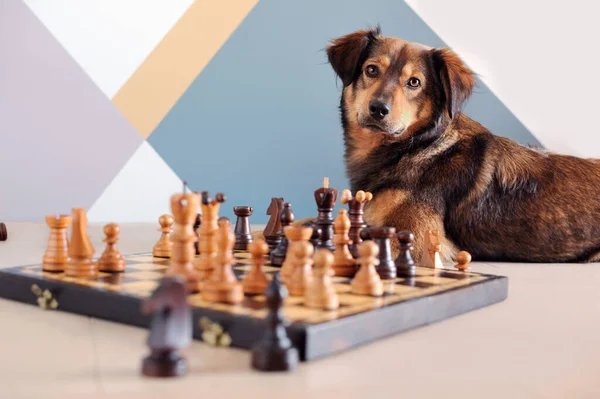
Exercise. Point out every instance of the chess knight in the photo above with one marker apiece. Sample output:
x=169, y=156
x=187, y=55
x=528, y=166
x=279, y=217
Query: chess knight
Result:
x=431, y=167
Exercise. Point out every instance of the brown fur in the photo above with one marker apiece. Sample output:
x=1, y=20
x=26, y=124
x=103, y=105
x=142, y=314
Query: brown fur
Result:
x=429, y=166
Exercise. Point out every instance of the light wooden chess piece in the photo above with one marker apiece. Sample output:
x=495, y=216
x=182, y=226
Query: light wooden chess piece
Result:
x=207, y=245
x=433, y=247
x=302, y=252
x=80, y=251
x=343, y=262
x=164, y=246
x=255, y=282
x=57, y=253
x=184, y=207
x=367, y=280
x=111, y=259
x=320, y=293
x=223, y=286
x=293, y=234
x=463, y=259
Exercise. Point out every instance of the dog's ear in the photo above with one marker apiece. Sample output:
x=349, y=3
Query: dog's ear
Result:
x=347, y=53
x=457, y=80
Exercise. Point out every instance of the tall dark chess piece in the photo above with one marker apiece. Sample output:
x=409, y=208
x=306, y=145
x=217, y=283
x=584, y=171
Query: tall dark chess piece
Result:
x=287, y=218
x=316, y=234
x=243, y=235
x=3, y=232
x=170, y=329
x=356, y=206
x=272, y=231
x=405, y=266
x=274, y=352
x=197, y=224
x=325, y=198
x=382, y=236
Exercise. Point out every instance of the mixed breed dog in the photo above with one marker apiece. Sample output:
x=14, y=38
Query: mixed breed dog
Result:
x=430, y=167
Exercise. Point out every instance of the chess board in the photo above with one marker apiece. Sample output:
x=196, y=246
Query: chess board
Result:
x=431, y=296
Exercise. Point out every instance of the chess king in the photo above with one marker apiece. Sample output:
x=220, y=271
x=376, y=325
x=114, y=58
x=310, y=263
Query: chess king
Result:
x=431, y=167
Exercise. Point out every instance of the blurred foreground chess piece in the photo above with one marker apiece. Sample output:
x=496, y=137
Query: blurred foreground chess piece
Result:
x=433, y=246
x=57, y=252
x=164, y=245
x=301, y=265
x=405, y=265
x=80, y=251
x=293, y=234
x=243, y=235
x=170, y=328
x=111, y=259
x=275, y=352
x=255, y=282
x=320, y=293
x=3, y=232
x=463, y=259
x=367, y=281
x=356, y=206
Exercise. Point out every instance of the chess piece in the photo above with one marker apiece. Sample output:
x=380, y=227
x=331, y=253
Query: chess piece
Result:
x=431, y=254
x=111, y=259
x=243, y=235
x=223, y=286
x=405, y=266
x=316, y=234
x=464, y=259
x=382, y=236
x=302, y=264
x=57, y=252
x=255, y=281
x=184, y=207
x=80, y=250
x=325, y=198
x=3, y=232
x=170, y=328
x=164, y=245
x=356, y=207
x=279, y=253
x=320, y=292
x=273, y=229
x=343, y=263
x=207, y=245
x=197, y=224
x=367, y=281
x=293, y=234
x=275, y=352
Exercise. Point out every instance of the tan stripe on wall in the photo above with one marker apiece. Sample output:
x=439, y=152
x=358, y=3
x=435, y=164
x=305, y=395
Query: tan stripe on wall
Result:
x=173, y=65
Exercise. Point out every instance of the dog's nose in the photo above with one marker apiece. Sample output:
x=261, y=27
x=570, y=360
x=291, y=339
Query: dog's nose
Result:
x=379, y=109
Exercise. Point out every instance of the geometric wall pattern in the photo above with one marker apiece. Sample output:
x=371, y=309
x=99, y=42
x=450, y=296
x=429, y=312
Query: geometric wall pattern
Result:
x=233, y=95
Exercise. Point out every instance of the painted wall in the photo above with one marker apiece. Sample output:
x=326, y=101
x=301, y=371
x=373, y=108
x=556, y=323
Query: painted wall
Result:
x=236, y=95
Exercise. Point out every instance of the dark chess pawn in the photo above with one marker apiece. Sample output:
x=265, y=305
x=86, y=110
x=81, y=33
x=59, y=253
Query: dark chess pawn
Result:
x=275, y=352
x=316, y=234
x=382, y=236
x=405, y=266
x=170, y=328
x=287, y=217
x=243, y=235
x=3, y=232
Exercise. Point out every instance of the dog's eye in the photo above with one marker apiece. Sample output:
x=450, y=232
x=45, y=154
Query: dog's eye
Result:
x=413, y=83
x=372, y=71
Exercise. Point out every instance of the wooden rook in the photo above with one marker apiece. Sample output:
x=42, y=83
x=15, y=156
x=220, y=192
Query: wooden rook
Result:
x=111, y=259
x=302, y=274
x=170, y=328
x=367, y=281
x=184, y=207
x=197, y=224
x=382, y=236
x=80, y=251
x=164, y=245
x=356, y=206
x=405, y=265
x=243, y=235
x=463, y=259
x=275, y=352
x=223, y=286
x=325, y=198
x=57, y=252
x=3, y=232
x=343, y=263
x=431, y=254
x=279, y=253
x=205, y=263
x=320, y=292
x=256, y=281
x=273, y=229
x=293, y=234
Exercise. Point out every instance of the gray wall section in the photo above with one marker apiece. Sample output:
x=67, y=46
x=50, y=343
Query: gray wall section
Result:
x=61, y=140
x=262, y=119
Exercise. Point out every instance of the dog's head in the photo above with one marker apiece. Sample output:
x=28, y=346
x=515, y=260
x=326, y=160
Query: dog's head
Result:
x=394, y=87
